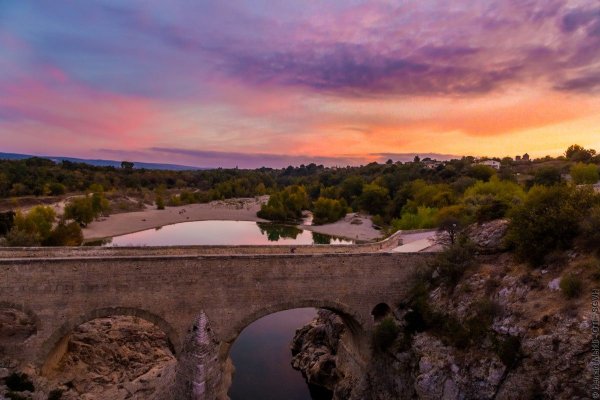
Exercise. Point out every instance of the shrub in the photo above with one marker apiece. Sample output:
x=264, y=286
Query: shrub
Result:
x=19, y=238
x=7, y=220
x=19, y=382
x=80, y=210
x=160, y=202
x=481, y=172
x=571, y=286
x=425, y=217
x=548, y=220
x=55, y=394
x=374, y=199
x=547, y=176
x=327, y=210
x=56, y=189
x=589, y=230
x=385, y=334
x=65, y=235
x=285, y=205
x=16, y=396
x=452, y=263
x=508, y=350
x=584, y=174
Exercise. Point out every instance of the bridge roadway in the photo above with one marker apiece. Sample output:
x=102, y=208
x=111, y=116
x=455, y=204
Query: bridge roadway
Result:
x=202, y=297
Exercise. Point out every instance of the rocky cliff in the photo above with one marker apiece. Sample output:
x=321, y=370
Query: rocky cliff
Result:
x=108, y=358
x=501, y=330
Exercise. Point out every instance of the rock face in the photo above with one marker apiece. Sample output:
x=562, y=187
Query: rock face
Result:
x=489, y=236
x=314, y=350
x=109, y=358
x=537, y=344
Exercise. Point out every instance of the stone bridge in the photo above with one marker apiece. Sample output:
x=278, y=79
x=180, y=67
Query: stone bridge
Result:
x=202, y=297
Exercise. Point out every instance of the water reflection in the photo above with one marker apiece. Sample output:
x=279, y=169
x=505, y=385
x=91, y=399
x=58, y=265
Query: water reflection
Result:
x=262, y=356
x=275, y=232
x=223, y=233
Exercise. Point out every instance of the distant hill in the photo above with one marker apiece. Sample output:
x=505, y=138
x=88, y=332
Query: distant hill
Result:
x=102, y=163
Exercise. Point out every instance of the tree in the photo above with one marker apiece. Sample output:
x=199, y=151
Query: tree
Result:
x=549, y=219
x=285, y=205
x=448, y=231
x=328, y=210
x=128, y=165
x=481, y=172
x=33, y=228
x=547, y=176
x=100, y=204
x=80, y=210
x=7, y=220
x=374, y=199
x=585, y=174
x=65, y=235
x=576, y=152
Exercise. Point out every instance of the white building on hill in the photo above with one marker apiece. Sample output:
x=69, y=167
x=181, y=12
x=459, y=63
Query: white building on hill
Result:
x=490, y=163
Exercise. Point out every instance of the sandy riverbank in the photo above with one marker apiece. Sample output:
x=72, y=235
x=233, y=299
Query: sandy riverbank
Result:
x=353, y=226
x=120, y=224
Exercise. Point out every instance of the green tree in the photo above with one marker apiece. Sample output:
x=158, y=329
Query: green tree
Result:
x=80, y=210
x=576, y=152
x=285, y=205
x=65, y=235
x=32, y=228
x=128, y=165
x=548, y=220
x=481, y=172
x=328, y=210
x=374, y=199
x=547, y=176
x=584, y=174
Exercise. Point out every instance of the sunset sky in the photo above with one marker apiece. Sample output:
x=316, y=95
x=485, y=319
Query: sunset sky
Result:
x=272, y=82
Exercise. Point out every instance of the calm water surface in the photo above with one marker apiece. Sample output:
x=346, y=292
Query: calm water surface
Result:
x=262, y=357
x=223, y=233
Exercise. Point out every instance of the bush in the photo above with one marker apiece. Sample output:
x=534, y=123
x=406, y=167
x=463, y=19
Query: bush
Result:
x=80, y=210
x=65, y=235
x=160, y=202
x=508, y=350
x=571, y=286
x=374, y=199
x=452, y=263
x=56, y=189
x=7, y=220
x=589, y=230
x=327, y=210
x=19, y=382
x=482, y=172
x=285, y=205
x=55, y=394
x=385, y=334
x=20, y=238
x=584, y=174
x=424, y=218
x=548, y=220
x=547, y=176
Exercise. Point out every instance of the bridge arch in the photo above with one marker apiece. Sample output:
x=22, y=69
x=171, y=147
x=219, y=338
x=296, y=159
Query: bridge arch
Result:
x=352, y=319
x=56, y=345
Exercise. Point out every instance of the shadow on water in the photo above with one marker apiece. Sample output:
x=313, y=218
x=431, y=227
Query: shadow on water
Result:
x=262, y=359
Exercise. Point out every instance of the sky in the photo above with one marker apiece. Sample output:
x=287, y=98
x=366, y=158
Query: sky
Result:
x=253, y=83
